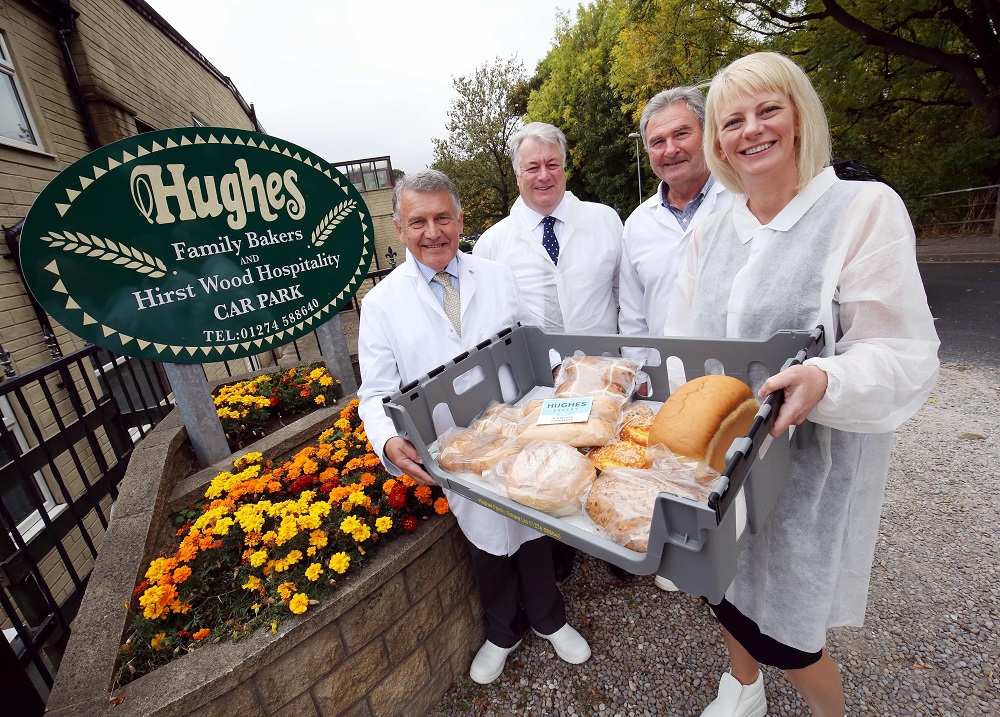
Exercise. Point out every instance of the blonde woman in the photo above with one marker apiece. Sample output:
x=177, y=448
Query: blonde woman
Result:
x=799, y=248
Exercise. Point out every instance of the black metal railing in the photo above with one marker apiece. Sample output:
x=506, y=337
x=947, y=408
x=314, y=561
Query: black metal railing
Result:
x=68, y=431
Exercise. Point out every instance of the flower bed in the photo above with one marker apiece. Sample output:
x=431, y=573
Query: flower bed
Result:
x=247, y=408
x=267, y=542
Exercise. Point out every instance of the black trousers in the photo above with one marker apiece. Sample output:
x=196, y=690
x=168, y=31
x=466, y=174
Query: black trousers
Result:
x=518, y=591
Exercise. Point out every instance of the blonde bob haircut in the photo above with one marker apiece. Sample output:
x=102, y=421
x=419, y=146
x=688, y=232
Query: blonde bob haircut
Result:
x=754, y=75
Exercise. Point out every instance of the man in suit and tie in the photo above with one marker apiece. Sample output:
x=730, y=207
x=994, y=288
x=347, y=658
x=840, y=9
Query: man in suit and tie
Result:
x=564, y=252
x=438, y=304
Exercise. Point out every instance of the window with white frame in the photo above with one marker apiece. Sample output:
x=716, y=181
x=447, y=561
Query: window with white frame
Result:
x=18, y=502
x=16, y=126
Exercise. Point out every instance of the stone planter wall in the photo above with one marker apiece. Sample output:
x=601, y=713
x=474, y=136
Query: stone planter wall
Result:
x=390, y=642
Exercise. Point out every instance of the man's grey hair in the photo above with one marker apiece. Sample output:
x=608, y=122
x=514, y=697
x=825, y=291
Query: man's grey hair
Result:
x=690, y=96
x=541, y=131
x=429, y=181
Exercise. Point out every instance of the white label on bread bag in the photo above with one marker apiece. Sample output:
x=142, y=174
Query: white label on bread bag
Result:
x=564, y=410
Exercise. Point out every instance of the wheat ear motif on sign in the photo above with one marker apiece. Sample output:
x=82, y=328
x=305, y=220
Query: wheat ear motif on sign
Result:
x=107, y=250
x=338, y=214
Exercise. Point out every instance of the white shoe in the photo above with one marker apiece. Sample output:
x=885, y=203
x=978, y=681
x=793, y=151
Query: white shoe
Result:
x=738, y=700
x=489, y=662
x=663, y=584
x=568, y=644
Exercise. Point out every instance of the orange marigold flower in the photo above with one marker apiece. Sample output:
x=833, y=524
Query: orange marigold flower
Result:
x=407, y=481
x=367, y=479
x=181, y=574
x=423, y=493
x=202, y=634
x=388, y=485
x=441, y=506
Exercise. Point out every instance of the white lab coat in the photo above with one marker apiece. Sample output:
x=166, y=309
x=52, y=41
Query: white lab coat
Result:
x=404, y=333
x=654, y=247
x=584, y=284
x=841, y=254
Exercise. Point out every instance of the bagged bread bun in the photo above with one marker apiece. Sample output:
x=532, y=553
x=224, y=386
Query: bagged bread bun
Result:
x=702, y=418
x=469, y=450
x=635, y=429
x=582, y=376
x=597, y=431
x=548, y=476
x=499, y=418
x=621, y=500
x=620, y=454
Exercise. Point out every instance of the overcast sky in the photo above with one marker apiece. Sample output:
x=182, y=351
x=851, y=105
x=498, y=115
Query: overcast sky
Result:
x=350, y=79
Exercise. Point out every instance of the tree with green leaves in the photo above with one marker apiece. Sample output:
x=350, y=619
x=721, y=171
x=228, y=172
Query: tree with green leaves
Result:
x=483, y=115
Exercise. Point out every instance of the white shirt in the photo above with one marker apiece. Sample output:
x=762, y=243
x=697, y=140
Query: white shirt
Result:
x=841, y=254
x=580, y=294
x=653, y=249
x=405, y=332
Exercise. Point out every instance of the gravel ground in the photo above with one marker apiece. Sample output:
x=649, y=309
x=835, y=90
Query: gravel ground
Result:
x=929, y=644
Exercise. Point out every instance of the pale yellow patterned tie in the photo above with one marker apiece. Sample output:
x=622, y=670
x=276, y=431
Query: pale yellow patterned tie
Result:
x=452, y=300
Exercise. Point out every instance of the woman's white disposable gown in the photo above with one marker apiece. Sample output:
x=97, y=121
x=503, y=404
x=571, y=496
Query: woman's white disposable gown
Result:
x=840, y=254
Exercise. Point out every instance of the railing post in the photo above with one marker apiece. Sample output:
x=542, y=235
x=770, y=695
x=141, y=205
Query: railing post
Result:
x=19, y=694
x=996, y=217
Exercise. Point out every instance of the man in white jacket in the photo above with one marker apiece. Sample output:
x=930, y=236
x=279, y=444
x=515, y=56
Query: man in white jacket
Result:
x=564, y=252
x=656, y=235
x=438, y=304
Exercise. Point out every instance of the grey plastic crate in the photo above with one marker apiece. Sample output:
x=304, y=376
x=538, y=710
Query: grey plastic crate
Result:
x=693, y=544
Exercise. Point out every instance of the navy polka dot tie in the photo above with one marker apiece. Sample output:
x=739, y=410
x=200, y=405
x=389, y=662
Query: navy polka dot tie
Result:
x=549, y=240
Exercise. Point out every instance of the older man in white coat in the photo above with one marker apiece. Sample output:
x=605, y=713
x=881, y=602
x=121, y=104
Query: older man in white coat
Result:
x=438, y=304
x=564, y=252
x=656, y=234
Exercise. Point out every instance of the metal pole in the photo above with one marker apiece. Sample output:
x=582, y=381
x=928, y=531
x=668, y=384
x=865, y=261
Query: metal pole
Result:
x=996, y=217
x=194, y=401
x=336, y=354
x=638, y=162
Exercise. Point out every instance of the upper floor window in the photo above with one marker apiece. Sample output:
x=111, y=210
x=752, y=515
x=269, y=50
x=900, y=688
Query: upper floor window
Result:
x=368, y=174
x=16, y=125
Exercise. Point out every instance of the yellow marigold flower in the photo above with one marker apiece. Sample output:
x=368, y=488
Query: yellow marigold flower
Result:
x=349, y=524
x=383, y=524
x=258, y=558
x=340, y=562
x=318, y=538
x=320, y=399
x=340, y=444
x=202, y=634
x=299, y=604
x=157, y=639
x=362, y=534
x=252, y=583
x=293, y=557
x=388, y=486
x=314, y=571
x=326, y=435
x=286, y=589
x=317, y=373
x=311, y=551
x=320, y=509
x=309, y=522
x=325, y=381
x=441, y=506
x=222, y=526
x=359, y=498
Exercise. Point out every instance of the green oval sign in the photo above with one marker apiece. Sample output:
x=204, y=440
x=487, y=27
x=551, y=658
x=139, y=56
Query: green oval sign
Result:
x=196, y=244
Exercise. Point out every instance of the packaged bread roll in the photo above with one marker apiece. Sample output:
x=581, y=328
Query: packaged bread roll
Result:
x=635, y=425
x=546, y=475
x=620, y=454
x=596, y=376
x=468, y=450
x=702, y=418
x=621, y=501
x=499, y=418
x=598, y=430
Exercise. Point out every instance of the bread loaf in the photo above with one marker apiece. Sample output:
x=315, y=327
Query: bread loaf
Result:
x=500, y=418
x=597, y=431
x=701, y=419
x=548, y=476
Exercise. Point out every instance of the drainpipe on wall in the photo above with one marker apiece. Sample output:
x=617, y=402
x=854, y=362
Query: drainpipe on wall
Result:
x=67, y=22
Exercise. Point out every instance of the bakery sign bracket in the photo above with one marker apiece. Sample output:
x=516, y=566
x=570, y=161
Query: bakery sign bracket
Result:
x=694, y=544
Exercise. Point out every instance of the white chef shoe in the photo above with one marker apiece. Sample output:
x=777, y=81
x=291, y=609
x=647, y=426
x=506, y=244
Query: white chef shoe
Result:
x=738, y=700
x=663, y=584
x=568, y=644
x=489, y=661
